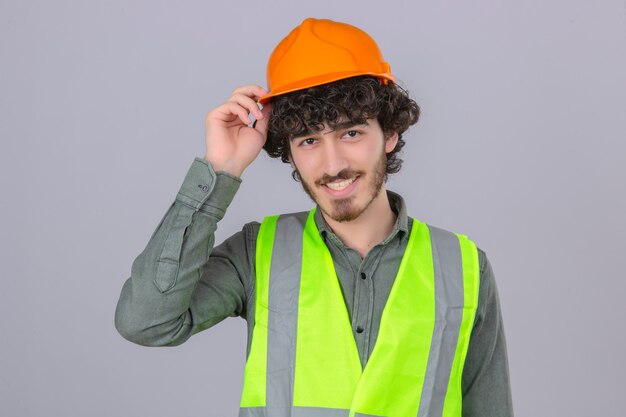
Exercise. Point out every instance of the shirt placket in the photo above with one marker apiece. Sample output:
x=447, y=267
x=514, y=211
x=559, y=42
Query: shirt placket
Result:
x=363, y=298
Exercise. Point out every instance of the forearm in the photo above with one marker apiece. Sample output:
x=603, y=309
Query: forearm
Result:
x=154, y=305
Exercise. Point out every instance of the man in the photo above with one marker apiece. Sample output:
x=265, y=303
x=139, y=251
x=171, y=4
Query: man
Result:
x=353, y=308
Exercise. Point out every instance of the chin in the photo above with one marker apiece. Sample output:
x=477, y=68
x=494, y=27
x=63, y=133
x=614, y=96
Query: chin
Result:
x=343, y=211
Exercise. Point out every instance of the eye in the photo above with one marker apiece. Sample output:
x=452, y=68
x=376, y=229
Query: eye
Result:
x=307, y=142
x=352, y=133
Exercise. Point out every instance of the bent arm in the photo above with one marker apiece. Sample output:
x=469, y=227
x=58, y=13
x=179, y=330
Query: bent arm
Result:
x=159, y=304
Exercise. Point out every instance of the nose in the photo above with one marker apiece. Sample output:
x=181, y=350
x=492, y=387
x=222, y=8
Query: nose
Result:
x=335, y=159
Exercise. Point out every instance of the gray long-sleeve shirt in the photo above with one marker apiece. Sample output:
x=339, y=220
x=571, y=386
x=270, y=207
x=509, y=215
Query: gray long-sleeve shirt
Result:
x=180, y=285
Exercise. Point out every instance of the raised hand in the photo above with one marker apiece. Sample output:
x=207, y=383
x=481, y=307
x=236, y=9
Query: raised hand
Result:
x=232, y=143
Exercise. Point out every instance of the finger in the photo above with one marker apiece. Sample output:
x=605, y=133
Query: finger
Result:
x=253, y=91
x=248, y=103
x=226, y=111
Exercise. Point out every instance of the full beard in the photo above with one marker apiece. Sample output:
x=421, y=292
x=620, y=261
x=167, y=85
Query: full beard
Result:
x=345, y=209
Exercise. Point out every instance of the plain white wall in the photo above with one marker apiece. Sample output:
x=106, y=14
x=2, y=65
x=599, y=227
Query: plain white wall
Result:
x=520, y=146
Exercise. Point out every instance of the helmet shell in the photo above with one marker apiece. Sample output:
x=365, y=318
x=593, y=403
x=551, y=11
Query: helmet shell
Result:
x=319, y=51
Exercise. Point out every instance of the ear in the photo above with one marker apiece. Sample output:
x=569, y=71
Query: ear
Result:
x=290, y=157
x=390, y=142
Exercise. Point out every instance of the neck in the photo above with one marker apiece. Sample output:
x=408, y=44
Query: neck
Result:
x=370, y=228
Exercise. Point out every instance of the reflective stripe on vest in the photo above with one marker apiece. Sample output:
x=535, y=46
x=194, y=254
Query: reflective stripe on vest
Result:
x=303, y=359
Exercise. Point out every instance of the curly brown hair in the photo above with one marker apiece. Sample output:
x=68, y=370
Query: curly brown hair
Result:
x=356, y=99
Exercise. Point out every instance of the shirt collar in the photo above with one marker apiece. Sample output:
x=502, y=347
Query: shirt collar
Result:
x=397, y=205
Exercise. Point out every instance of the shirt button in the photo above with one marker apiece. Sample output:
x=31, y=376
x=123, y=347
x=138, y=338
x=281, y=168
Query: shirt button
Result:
x=359, y=329
x=363, y=276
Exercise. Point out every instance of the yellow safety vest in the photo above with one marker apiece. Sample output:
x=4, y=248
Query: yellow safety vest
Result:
x=303, y=360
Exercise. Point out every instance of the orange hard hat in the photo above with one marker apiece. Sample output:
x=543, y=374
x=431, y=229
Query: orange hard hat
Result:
x=320, y=51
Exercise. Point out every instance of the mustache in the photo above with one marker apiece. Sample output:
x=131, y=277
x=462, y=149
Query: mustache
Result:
x=344, y=174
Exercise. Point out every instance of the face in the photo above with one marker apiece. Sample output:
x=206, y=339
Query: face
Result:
x=343, y=170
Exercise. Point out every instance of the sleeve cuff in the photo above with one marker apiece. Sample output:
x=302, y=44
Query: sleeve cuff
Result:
x=208, y=191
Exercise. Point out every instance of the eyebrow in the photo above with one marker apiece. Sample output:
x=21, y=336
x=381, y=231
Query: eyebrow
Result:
x=340, y=126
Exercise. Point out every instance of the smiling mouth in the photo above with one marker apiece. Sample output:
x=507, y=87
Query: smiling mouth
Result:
x=341, y=185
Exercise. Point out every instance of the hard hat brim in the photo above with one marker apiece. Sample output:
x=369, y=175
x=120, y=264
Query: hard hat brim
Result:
x=323, y=79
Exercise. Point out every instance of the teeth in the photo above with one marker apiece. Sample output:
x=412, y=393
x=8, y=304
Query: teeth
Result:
x=338, y=186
